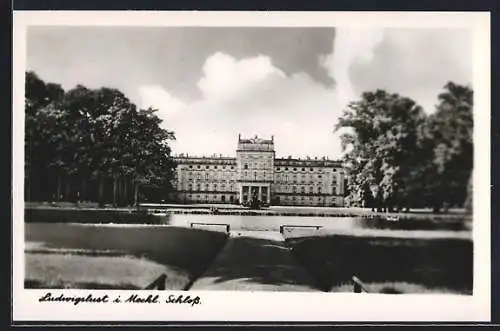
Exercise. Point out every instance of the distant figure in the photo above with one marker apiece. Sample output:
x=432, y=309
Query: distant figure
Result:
x=392, y=218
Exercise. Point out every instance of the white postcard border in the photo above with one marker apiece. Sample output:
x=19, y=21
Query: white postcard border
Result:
x=268, y=306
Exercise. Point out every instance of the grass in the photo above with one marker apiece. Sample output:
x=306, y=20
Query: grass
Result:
x=97, y=272
x=77, y=215
x=114, y=255
x=397, y=288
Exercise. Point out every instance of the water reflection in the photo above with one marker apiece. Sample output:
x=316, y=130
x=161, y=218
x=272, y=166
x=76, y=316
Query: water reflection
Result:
x=273, y=223
x=248, y=222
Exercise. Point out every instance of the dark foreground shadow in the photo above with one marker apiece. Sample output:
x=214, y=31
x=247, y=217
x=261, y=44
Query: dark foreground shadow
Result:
x=34, y=284
x=445, y=264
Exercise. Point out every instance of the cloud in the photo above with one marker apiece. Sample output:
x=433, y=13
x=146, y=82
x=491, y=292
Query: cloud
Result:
x=350, y=45
x=225, y=76
x=250, y=96
x=157, y=97
x=417, y=63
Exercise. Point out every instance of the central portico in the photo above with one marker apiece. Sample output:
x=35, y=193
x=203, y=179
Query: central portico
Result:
x=255, y=169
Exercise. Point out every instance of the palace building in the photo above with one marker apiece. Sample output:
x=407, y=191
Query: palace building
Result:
x=256, y=174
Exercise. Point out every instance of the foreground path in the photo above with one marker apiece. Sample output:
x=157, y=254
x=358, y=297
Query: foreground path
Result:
x=255, y=261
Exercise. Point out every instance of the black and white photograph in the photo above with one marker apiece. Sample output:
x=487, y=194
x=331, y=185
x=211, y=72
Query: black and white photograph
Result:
x=314, y=160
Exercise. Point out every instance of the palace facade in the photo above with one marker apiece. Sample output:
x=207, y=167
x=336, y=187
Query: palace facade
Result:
x=256, y=173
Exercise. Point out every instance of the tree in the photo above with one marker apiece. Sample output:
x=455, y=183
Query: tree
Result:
x=449, y=132
x=381, y=148
x=82, y=142
x=39, y=142
x=399, y=157
x=148, y=157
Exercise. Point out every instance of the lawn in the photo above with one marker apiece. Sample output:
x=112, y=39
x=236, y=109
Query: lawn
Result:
x=396, y=288
x=96, y=256
x=66, y=270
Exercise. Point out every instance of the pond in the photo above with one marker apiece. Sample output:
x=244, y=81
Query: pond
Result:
x=273, y=223
x=246, y=222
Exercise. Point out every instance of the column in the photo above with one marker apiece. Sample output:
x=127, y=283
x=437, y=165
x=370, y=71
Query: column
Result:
x=269, y=195
x=341, y=184
x=241, y=194
x=260, y=192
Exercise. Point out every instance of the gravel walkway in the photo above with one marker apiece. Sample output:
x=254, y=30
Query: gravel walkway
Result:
x=255, y=261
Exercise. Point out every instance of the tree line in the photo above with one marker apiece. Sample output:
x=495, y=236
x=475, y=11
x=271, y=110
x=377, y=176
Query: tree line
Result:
x=96, y=145
x=400, y=157
x=92, y=145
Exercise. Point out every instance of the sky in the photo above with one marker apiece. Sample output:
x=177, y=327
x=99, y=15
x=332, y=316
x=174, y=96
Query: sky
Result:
x=211, y=84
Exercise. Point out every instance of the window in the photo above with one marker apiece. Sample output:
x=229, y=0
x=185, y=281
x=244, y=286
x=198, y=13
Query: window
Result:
x=190, y=167
x=303, y=169
x=207, y=167
x=215, y=187
x=245, y=166
x=303, y=189
x=294, y=189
